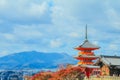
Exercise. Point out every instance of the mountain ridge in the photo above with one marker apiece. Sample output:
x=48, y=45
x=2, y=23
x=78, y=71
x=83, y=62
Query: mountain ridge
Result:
x=35, y=60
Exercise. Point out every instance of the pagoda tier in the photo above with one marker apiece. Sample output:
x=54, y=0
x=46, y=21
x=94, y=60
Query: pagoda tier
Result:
x=86, y=53
x=87, y=46
x=86, y=57
x=85, y=60
x=85, y=63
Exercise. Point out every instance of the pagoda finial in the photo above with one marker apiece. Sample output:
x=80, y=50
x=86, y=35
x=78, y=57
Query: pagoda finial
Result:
x=86, y=32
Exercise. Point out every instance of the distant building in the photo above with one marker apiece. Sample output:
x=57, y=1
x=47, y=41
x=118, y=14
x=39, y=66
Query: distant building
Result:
x=109, y=65
x=11, y=75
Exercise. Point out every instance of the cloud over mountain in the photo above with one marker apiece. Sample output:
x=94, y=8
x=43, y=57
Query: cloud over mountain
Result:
x=58, y=25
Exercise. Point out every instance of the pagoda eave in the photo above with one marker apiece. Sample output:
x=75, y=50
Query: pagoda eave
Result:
x=85, y=48
x=85, y=58
x=85, y=63
x=90, y=66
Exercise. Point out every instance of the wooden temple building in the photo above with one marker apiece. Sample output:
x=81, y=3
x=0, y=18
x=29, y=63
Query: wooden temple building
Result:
x=109, y=65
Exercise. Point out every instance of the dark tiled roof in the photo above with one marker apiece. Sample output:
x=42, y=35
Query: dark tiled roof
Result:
x=107, y=56
x=87, y=44
x=110, y=60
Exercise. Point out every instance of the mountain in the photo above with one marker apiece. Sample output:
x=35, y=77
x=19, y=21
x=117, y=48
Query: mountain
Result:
x=35, y=60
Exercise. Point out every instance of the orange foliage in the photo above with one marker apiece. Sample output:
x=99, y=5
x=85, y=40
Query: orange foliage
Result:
x=63, y=74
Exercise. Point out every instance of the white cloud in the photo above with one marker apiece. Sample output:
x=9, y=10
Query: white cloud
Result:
x=67, y=27
x=9, y=36
x=113, y=47
x=74, y=35
x=3, y=53
x=38, y=9
x=3, y=3
x=25, y=11
x=95, y=42
x=27, y=32
x=55, y=43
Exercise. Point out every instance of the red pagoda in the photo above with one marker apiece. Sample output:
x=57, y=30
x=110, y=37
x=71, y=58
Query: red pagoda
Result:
x=86, y=54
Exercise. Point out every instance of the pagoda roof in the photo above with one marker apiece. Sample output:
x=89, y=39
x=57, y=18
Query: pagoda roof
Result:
x=86, y=57
x=88, y=66
x=87, y=44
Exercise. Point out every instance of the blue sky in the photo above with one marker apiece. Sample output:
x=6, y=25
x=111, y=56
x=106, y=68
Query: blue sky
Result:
x=59, y=25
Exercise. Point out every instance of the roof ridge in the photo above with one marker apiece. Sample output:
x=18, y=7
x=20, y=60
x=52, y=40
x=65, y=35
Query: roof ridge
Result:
x=109, y=56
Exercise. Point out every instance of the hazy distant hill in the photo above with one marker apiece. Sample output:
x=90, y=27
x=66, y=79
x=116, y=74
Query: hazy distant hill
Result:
x=35, y=60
